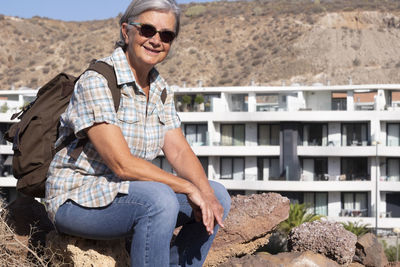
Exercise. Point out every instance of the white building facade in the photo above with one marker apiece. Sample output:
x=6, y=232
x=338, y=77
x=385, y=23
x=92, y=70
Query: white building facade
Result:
x=336, y=148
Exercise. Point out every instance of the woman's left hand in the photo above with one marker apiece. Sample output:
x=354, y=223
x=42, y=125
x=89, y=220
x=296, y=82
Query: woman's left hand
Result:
x=216, y=208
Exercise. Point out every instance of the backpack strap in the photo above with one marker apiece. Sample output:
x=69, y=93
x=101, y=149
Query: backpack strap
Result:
x=108, y=72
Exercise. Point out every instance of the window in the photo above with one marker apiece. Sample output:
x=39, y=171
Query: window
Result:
x=3, y=129
x=315, y=134
x=339, y=101
x=268, y=169
x=354, y=134
x=316, y=203
x=314, y=169
x=6, y=165
x=268, y=134
x=196, y=134
x=208, y=101
x=355, y=169
x=232, y=134
x=204, y=163
x=355, y=204
x=364, y=100
x=267, y=102
x=393, y=134
x=393, y=169
x=232, y=168
x=163, y=163
x=239, y=102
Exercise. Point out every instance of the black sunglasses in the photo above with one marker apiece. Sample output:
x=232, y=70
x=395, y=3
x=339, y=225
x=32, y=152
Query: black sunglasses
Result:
x=148, y=31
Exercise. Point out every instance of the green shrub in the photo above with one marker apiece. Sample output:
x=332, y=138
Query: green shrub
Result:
x=187, y=99
x=4, y=108
x=357, y=228
x=199, y=99
x=195, y=11
x=390, y=251
x=298, y=215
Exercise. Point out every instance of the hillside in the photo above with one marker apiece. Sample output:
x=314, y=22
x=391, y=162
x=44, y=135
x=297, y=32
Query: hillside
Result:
x=226, y=43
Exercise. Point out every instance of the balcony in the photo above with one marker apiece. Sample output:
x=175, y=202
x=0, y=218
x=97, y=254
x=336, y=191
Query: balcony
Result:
x=354, y=213
x=332, y=178
x=196, y=102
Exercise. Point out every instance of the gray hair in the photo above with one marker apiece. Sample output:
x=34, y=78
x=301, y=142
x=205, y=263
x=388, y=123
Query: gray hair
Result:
x=137, y=7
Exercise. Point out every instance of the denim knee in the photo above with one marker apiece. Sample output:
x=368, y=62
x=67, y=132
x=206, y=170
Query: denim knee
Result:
x=222, y=195
x=163, y=203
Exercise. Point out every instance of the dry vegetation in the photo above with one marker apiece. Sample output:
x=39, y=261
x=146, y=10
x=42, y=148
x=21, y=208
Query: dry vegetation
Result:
x=16, y=250
x=226, y=43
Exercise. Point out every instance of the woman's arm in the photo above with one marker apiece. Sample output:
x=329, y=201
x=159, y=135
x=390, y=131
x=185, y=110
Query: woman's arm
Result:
x=180, y=155
x=112, y=147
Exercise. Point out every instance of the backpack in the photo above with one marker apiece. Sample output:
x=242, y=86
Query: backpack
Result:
x=34, y=136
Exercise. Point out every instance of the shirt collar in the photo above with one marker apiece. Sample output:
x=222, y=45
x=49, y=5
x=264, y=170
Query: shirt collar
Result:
x=124, y=73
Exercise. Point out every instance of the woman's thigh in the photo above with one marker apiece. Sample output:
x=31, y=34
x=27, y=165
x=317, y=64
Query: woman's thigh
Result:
x=145, y=199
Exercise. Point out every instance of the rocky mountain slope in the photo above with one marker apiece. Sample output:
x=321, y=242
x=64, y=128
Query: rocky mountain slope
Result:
x=226, y=43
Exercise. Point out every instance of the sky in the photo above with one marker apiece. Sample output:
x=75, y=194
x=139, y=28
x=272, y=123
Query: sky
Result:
x=68, y=10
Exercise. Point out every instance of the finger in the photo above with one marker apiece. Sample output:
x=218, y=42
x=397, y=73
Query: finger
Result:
x=207, y=215
x=211, y=220
x=219, y=220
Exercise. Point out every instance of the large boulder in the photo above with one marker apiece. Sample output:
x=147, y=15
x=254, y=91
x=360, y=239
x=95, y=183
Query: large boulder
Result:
x=369, y=251
x=80, y=252
x=246, y=229
x=248, y=225
x=292, y=259
x=324, y=237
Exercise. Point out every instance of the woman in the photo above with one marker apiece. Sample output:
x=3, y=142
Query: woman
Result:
x=112, y=189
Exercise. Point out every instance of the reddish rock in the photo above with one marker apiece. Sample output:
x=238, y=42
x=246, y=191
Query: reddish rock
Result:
x=287, y=259
x=249, y=222
x=324, y=237
x=369, y=251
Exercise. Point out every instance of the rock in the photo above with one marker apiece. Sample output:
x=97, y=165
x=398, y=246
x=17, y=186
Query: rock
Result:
x=324, y=237
x=287, y=259
x=248, y=225
x=355, y=264
x=369, y=251
x=246, y=229
x=80, y=252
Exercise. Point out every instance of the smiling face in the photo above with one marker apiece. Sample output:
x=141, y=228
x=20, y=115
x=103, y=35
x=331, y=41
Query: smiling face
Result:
x=142, y=52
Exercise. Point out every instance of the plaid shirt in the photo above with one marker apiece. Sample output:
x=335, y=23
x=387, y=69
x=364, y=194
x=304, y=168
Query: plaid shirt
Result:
x=88, y=181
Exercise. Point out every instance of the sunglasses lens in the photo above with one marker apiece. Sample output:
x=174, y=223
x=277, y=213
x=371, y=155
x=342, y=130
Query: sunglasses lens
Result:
x=147, y=30
x=167, y=36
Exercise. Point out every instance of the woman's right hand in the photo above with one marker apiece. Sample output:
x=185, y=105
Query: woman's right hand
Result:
x=201, y=209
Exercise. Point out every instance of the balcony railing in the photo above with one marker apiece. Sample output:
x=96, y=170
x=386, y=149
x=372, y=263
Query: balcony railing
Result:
x=327, y=177
x=354, y=213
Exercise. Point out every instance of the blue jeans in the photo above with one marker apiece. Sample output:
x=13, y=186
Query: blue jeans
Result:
x=148, y=216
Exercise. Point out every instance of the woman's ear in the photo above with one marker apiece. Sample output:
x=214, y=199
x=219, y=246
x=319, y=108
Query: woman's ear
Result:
x=125, y=32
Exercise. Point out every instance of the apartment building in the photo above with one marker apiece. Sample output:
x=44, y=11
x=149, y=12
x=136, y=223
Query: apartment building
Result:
x=336, y=148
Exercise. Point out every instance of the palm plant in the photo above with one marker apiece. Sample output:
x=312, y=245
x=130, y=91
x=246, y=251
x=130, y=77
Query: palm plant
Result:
x=357, y=228
x=298, y=214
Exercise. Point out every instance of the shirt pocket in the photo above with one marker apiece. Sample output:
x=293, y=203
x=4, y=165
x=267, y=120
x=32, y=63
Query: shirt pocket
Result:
x=131, y=127
x=127, y=112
